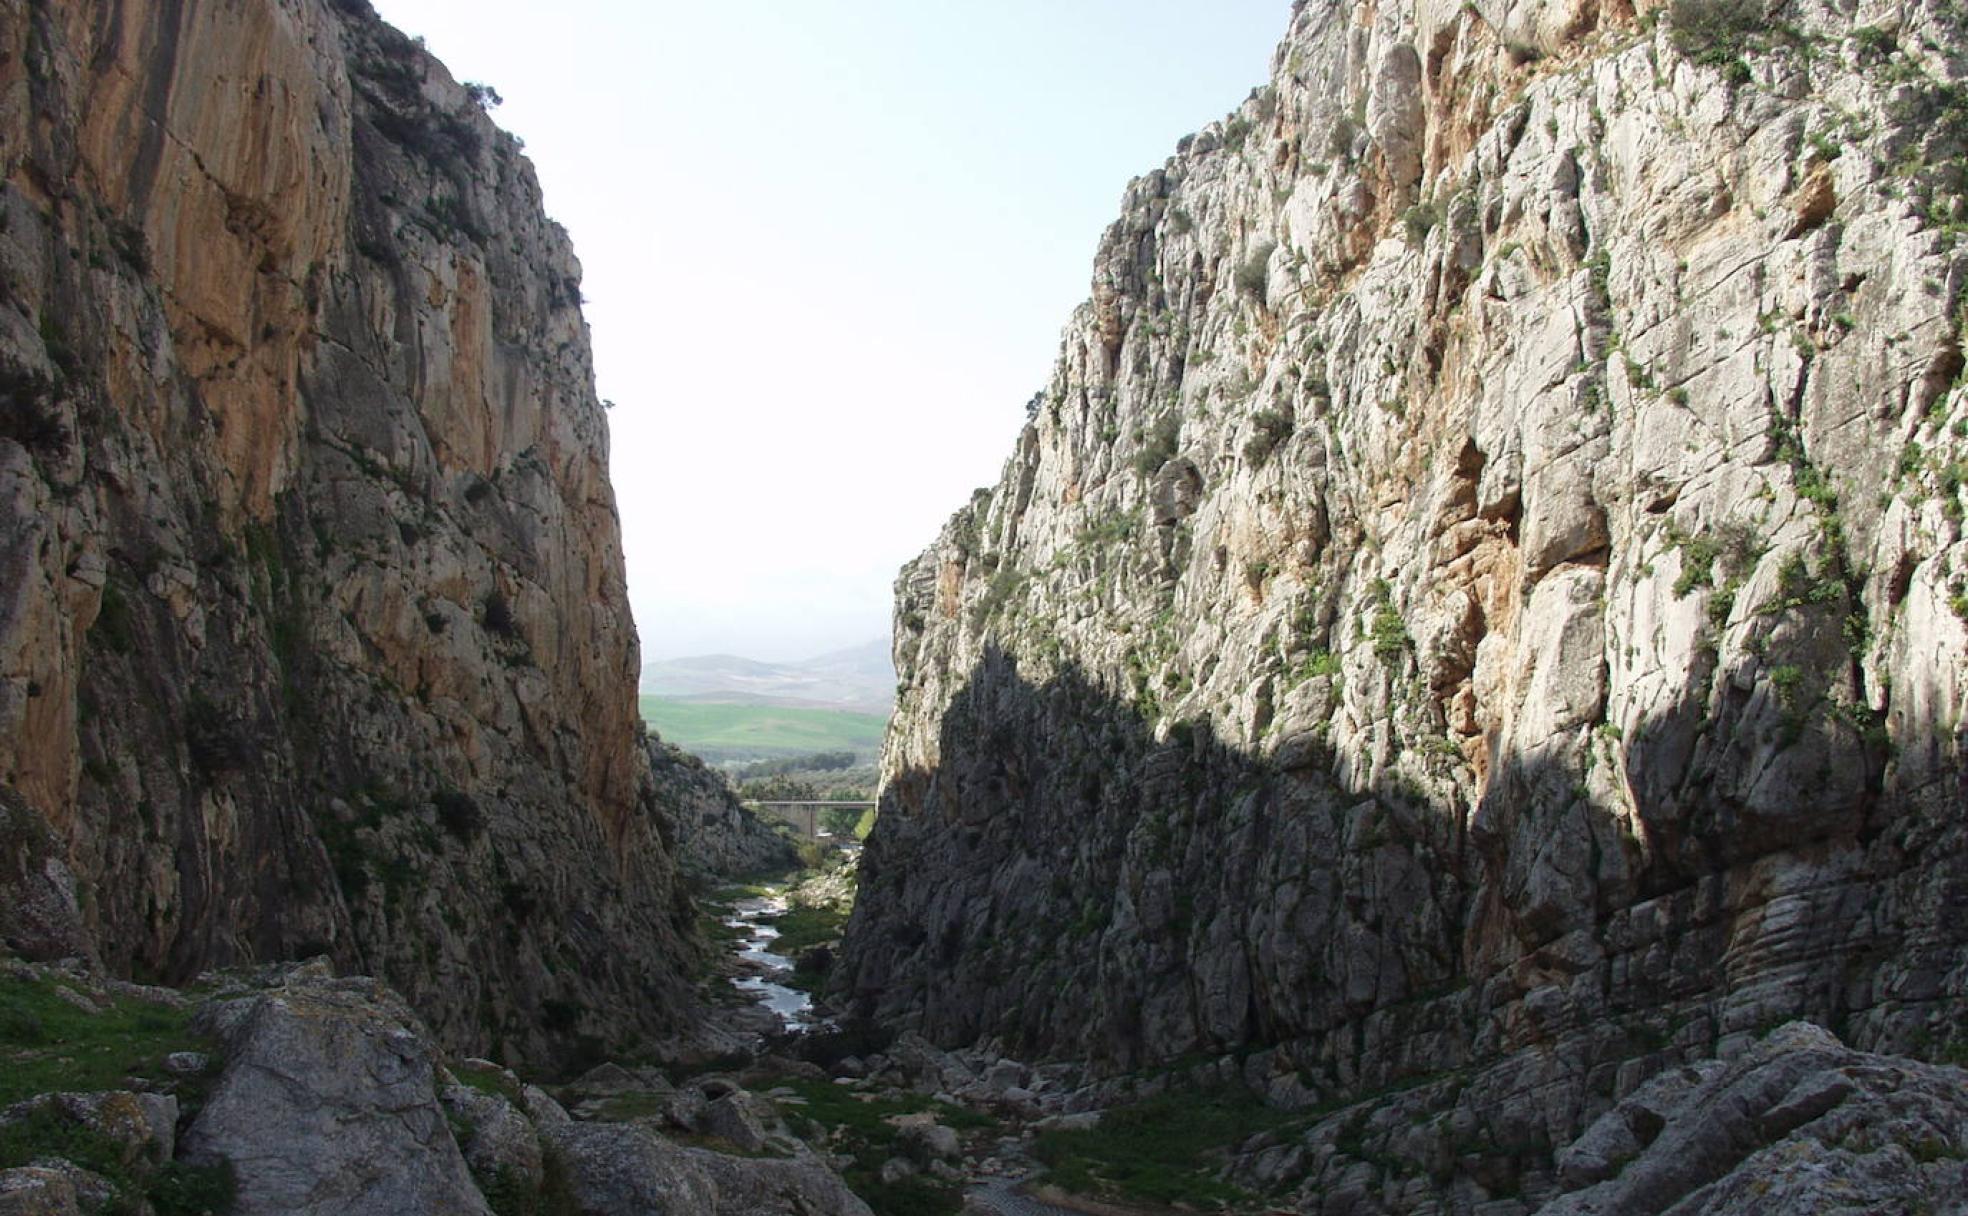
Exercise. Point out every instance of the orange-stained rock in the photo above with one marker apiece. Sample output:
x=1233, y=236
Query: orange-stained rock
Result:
x=313, y=635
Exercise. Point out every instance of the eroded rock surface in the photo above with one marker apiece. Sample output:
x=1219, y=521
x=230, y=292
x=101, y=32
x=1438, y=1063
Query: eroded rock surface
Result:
x=328, y=1103
x=716, y=835
x=313, y=636
x=1799, y=1124
x=1478, y=610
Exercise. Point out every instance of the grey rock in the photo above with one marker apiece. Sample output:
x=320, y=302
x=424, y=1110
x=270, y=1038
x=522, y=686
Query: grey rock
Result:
x=745, y=1120
x=1574, y=694
x=39, y=916
x=500, y=1141
x=625, y=1169
x=717, y=836
x=928, y=1141
x=328, y=1103
x=187, y=1063
x=35, y=1191
x=541, y=1107
x=431, y=518
x=1799, y=1123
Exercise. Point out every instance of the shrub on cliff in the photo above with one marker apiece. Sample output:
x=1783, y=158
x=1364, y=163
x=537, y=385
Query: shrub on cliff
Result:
x=1716, y=33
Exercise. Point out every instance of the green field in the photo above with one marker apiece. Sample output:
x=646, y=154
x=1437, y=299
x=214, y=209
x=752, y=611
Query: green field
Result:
x=758, y=732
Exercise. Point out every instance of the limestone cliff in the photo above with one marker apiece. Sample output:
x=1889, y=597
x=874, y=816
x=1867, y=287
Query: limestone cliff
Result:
x=716, y=836
x=313, y=635
x=1480, y=604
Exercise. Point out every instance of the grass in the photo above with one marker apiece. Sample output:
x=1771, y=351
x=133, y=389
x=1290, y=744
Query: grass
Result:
x=171, y=1187
x=802, y=928
x=493, y=1081
x=760, y=732
x=834, y=1116
x=1166, y=1150
x=48, y=1045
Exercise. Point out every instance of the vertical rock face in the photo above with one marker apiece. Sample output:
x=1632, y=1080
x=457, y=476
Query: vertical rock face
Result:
x=716, y=836
x=313, y=634
x=1483, y=590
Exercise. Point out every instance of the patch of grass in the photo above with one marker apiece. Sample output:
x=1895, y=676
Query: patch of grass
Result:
x=172, y=1188
x=49, y=1045
x=760, y=731
x=845, y=1122
x=493, y=1081
x=1167, y=1150
x=802, y=927
x=179, y=1189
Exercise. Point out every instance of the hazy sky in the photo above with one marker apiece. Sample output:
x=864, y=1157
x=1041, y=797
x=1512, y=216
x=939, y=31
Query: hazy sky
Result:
x=828, y=247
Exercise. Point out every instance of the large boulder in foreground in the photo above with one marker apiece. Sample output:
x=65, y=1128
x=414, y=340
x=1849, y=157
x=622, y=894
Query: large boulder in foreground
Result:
x=328, y=1104
x=1801, y=1123
x=626, y=1167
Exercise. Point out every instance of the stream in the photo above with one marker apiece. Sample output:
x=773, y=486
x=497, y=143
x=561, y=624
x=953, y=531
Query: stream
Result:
x=760, y=971
x=763, y=968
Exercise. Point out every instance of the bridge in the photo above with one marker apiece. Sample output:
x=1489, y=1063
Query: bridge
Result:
x=805, y=815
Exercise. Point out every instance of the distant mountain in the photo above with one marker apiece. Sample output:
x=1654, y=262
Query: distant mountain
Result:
x=860, y=678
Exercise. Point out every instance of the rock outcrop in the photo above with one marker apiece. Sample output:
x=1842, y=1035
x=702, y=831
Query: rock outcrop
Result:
x=333, y=1097
x=313, y=636
x=329, y=1103
x=1800, y=1124
x=716, y=835
x=1479, y=609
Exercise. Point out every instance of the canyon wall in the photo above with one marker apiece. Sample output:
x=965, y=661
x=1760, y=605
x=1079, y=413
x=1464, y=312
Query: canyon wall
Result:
x=1478, y=610
x=313, y=636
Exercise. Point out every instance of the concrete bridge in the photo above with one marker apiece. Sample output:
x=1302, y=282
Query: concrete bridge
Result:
x=804, y=815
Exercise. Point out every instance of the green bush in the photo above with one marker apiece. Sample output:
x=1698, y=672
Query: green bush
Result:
x=1420, y=220
x=1271, y=428
x=1159, y=446
x=1716, y=33
x=458, y=813
x=1254, y=275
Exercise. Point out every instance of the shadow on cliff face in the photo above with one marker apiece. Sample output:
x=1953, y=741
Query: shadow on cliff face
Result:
x=312, y=632
x=1075, y=883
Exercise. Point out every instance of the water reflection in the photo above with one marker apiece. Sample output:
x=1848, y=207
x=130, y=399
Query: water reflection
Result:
x=793, y=1007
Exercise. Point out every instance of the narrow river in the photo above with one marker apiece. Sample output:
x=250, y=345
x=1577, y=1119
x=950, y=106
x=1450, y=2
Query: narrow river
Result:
x=764, y=968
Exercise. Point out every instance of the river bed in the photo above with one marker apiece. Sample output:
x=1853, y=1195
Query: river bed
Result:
x=764, y=969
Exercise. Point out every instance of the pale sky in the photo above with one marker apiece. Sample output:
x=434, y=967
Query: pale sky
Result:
x=828, y=248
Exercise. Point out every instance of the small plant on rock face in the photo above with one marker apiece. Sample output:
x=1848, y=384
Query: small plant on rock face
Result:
x=1159, y=447
x=1716, y=33
x=499, y=615
x=1270, y=428
x=1255, y=274
x=1420, y=220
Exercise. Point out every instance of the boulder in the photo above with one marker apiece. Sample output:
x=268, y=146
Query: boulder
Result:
x=34, y=1191
x=328, y=1104
x=143, y=1126
x=928, y=1141
x=743, y=1119
x=1799, y=1123
x=625, y=1169
x=499, y=1140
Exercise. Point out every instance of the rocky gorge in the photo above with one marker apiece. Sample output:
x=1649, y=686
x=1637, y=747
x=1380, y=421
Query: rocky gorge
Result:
x=1455, y=705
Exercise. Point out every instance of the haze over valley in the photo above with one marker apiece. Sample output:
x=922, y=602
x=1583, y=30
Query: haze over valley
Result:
x=1446, y=700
